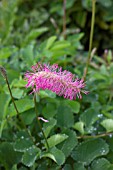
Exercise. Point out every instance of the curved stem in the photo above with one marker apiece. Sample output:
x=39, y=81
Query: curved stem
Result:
x=18, y=115
x=91, y=38
x=39, y=124
x=12, y=98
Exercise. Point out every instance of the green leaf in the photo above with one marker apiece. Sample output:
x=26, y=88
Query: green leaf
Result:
x=56, y=139
x=27, y=55
x=7, y=52
x=79, y=166
x=43, y=165
x=17, y=93
x=109, y=56
x=74, y=105
x=104, y=71
x=60, y=45
x=105, y=3
x=23, y=144
x=69, y=143
x=14, y=167
x=79, y=126
x=65, y=116
x=50, y=42
x=7, y=17
x=70, y=3
x=9, y=157
x=89, y=150
x=49, y=110
x=18, y=83
x=106, y=110
x=75, y=37
x=98, y=164
x=28, y=116
x=110, y=142
x=30, y=156
x=56, y=155
x=27, y=103
x=111, y=167
x=4, y=102
x=47, y=127
x=67, y=167
x=87, y=4
x=108, y=124
x=22, y=134
x=81, y=16
x=90, y=116
x=35, y=33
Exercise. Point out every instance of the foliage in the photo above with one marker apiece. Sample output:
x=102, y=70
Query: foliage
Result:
x=79, y=133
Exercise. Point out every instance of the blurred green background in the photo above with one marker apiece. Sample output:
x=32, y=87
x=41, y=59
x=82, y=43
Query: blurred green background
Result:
x=20, y=19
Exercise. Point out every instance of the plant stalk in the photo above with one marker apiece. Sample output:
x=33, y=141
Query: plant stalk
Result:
x=96, y=136
x=64, y=19
x=4, y=74
x=18, y=115
x=39, y=124
x=91, y=38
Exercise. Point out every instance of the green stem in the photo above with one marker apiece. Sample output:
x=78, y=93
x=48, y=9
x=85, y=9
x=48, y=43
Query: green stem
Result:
x=18, y=115
x=64, y=19
x=39, y=124
x=96, y=136
x=91, y=38
x=12, y=97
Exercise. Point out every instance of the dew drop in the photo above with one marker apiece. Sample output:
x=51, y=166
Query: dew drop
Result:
x=100, y=115
x=22, y=137
x=110, y=135
x=103, y=152
x=95, y=129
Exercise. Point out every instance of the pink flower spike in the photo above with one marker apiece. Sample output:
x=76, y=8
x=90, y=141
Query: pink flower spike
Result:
x=44, y=120
x=63, y=83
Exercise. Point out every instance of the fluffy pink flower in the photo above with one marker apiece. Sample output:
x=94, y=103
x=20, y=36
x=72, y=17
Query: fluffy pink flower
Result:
x=63, y=83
